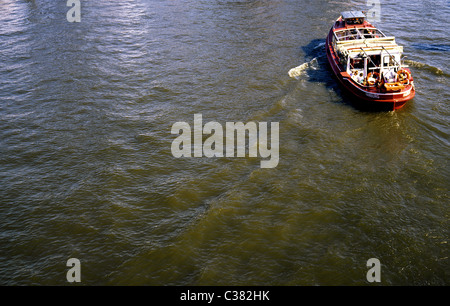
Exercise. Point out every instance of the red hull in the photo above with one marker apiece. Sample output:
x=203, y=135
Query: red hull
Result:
x=370, y=96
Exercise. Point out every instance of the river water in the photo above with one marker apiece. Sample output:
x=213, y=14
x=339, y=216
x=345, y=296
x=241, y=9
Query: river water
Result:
x=87, y=172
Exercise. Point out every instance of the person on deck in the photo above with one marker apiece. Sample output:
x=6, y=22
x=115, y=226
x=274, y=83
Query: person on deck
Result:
x=389, y=77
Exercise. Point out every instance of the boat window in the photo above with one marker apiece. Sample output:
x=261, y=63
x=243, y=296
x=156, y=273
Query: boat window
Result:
x=388, y=61
x=354, y=20
x=374, y=62
x=357, y=63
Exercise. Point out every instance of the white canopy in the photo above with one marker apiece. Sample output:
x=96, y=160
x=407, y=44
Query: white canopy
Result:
x=369, y=45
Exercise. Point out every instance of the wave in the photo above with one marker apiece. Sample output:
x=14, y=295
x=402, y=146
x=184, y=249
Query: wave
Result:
x=302, y=70
x=432, y=47
x=429, y=68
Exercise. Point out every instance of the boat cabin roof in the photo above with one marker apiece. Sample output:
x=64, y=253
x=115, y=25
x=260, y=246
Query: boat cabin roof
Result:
x=353, y=17
x=353, y=14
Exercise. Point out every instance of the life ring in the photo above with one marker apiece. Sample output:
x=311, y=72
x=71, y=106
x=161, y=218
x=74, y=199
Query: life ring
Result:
x=403, y=76
x=372, y=78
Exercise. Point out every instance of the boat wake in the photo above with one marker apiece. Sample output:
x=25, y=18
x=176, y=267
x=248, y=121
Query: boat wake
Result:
x=429, y=68
x=319, y=45
x=302, y=70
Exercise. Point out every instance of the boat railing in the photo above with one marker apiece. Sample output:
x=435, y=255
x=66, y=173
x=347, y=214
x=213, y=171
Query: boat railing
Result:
x=356, y=37
x=392, y=57
x=386, y=67
x=358, y=33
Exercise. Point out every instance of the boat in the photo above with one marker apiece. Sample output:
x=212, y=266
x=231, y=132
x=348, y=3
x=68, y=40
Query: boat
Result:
x=368, y=63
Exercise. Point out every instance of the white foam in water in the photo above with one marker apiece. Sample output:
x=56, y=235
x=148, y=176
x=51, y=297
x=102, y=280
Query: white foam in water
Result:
x=298, y=71
x=319, y=45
